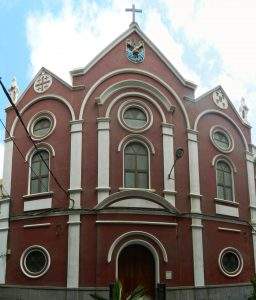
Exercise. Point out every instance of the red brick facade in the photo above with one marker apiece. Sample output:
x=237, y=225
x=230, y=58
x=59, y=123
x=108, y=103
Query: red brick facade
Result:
x=194, y=224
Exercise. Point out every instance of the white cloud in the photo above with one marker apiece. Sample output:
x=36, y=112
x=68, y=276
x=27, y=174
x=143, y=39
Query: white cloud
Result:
x=80, y=31
x=227, y=27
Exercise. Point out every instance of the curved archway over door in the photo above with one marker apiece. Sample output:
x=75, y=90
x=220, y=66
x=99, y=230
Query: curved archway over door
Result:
x=136, y=266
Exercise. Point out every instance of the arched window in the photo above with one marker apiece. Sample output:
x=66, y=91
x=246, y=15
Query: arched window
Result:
x=136, y=166
x=224, y=181
x=39, y=178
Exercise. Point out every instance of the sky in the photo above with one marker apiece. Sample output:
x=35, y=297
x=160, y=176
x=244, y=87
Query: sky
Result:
x=210, y=42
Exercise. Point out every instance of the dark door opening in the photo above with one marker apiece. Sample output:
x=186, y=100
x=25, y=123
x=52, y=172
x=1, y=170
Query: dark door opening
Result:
x=136, y=266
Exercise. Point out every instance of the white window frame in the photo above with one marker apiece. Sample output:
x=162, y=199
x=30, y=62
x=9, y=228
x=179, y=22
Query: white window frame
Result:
x=149, y=166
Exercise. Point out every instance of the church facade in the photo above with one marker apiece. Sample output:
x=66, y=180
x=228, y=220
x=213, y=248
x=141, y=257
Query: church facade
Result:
x=160, y=184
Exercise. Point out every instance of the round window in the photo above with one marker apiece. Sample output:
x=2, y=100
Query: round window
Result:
x=42, y=127
x=221, y=139
x=230, y=262
x=135, y=118
x=35, y=261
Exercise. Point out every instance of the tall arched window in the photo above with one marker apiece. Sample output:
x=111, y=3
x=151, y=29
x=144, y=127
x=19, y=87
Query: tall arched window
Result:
x=224, y=181
x=136, y=166
x=39, y=178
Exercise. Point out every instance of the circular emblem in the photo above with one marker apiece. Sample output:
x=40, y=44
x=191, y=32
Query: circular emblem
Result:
x=43, y=82
x=135, y=51
x=220, y=100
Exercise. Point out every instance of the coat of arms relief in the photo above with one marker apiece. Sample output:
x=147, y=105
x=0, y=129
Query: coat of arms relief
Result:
x=135, y=51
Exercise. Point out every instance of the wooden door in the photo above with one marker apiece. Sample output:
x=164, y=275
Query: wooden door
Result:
x=136, y=266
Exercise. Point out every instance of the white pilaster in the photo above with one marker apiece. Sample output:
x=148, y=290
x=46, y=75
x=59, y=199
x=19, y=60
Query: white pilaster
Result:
x=4, y=206
x=198, y=253
x=75, y=194
x=76, y=161
x=103, y=158
x=168, y=156
x=195, y=196
x=195, y=199
x=73, y=250
x=252, y=197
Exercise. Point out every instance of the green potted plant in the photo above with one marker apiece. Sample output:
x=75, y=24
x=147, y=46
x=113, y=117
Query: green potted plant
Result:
x=138, y=293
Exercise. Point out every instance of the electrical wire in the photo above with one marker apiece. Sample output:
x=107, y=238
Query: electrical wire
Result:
x=34, y=144
x=22, y=155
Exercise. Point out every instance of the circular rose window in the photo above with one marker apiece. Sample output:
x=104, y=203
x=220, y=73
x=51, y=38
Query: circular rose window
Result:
x=35, y=261
x=221, y=139
x=135, y=116
x=230, y=262
x=42, y=125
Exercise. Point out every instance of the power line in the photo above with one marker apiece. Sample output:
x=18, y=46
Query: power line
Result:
x=22, y=155
x=33, y=142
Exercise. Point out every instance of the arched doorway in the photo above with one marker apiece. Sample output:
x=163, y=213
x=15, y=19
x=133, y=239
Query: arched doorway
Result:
x=136, y=266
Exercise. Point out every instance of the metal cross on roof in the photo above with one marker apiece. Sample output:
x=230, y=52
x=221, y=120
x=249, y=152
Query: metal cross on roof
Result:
x=133, y=10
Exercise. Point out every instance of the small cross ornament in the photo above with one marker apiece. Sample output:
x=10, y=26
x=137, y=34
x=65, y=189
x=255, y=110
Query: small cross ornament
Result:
x=133, y=10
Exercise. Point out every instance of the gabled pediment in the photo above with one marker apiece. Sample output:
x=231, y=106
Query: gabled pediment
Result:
x=134, y=28
x=213, y=93
x=46, y=71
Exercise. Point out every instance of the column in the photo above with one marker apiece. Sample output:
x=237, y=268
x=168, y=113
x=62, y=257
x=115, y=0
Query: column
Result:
x=195, y=199
x=103, y=158
x=168, y=157
x=252, y=197
x=75, y=194
x=4, y=206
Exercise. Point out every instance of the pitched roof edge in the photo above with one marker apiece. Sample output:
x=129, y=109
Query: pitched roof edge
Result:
x=33, y=80
x=134, y=27
x=203, y=96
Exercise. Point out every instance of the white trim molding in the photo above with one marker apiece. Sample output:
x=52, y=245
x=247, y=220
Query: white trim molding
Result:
x=134, y=27
x=252, y=197
x=194, y=180
x=168, y=160
x=136, y=138
x=214, y=111
x=135, y=95
x=135, y=71
x=41, y=146
x=135, y=84
x=5, y=206
x=198, y=251
x=226, y=159
x=37, y=204
x=74, y=224
x=75, y=189
x=226, y=210
x=76, y=161
x=103, y=158
x=136, y=233
x=43, y=97
x=150, y=247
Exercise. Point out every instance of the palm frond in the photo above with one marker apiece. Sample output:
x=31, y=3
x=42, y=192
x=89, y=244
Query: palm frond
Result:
x=137, y=293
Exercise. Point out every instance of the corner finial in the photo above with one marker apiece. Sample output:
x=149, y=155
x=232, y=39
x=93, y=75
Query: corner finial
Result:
x=243, y=110
x=14, y=90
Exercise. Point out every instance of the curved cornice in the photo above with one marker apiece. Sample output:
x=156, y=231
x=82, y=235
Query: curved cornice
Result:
x=214, y=111
x=149, y=196
x=43, y=97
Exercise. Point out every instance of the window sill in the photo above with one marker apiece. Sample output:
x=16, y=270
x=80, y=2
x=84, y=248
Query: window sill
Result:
x=136, y=189
x=37, y=195
x=226, y=202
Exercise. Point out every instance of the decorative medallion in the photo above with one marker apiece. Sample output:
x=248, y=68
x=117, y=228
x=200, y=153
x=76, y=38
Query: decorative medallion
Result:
x=43, y=82
x=220, y=100
x=135, y=51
